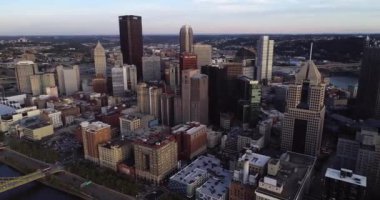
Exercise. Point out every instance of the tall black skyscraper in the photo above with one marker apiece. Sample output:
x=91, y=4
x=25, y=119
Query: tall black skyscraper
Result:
x=369, y=84
x=131, y=41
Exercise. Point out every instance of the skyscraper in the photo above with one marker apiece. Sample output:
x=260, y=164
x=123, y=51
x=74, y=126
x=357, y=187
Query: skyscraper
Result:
x=186, y=93
x=23, y=70
x=186, y=39
x=117, y=81
x=368, y=97
x=68, y=79
x=100, y=60
x=129, y=77
x=131, y=41
x=204, y=54
x=303, y=123
x=199, y=98
x=264, y=59
x=151, y=66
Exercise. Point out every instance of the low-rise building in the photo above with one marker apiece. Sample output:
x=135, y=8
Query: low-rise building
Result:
x=34, y=128
x=191, y=138
x=197, y=175
x=288, y=178
x=155, y=157
x=113, y=152
x=54, y=116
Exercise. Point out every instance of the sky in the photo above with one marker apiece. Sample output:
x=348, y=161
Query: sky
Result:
x=94, y=17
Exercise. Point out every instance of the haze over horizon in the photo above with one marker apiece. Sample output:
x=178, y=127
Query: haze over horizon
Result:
x=99, y=17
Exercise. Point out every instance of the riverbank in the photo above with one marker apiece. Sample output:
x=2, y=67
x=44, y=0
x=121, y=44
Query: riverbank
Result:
x=48, y=181
x=62, y=181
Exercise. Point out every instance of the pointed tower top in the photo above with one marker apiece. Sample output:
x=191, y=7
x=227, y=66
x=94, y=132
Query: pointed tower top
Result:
x=309, y=71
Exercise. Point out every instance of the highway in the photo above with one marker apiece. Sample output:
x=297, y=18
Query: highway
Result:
x=92, y=191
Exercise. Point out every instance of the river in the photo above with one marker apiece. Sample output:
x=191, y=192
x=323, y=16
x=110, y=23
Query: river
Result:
x=343, y=81
x=31, y=191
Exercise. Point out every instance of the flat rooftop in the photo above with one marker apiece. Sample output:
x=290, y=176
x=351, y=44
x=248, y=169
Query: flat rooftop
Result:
x=354, y=179
x=294, y=169
x=255, y=159
x=196, y=169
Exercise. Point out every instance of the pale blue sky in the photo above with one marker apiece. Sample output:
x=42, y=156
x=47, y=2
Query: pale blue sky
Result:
x=49, y=17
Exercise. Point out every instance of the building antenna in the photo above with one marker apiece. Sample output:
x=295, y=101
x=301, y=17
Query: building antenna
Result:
x=311, y=51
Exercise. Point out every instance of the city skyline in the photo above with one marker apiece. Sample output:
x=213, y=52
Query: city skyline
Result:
x=205, y=16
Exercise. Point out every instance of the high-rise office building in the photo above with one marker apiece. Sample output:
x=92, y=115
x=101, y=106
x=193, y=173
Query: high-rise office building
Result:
x=117, y=81
x=129, y=77
x=23, y=70
x=368, y=96
x=188, y=61
x=39, y=82
x=304, y=118
x=264, y=59
x=149, y=99
x=186, y=93
x=172, y=76
x=131, y=41
x=68, y=79
x=100, y=60
x=142, y=90
x=217, y=77
x=167, y=109
x=186, y=39
x=93, y=134
x=151, y=67
x=204, y=54
x=199, y=98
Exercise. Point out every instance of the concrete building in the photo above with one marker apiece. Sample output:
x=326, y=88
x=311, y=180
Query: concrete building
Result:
x=39, y=83
x=23, y=71
x=198, y=178
x=173, y=76
x=191, y=139
x=305, y=114
x=287, y=178
x=68, y=79
x=362, y=154
x=199, y=98
x=129, y=123
x=133, y=121
x=155, y=157
x=343, y=184
x=100, y=60
x=131, y=42
x=14, y=115
x=129, y=77
x=34, y=128
x=113, y=152
x=244, y=183
x=151, y=67
x=186, y=39
x=54, y=117
x=93, y=134
x=204, y=54
x=117, y=81
x=257, y=163
x=186, y=93
x=167, y=109
x=154, y=101
x=143, y=102
x=264, y=59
